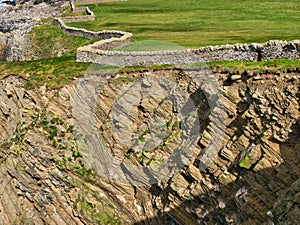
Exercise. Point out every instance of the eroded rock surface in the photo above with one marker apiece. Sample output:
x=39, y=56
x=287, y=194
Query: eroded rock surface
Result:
x=22, y=18
x=49, y=174
x=17, y=21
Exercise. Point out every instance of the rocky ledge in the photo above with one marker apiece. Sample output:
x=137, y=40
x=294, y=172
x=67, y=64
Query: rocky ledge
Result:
x=243, y=167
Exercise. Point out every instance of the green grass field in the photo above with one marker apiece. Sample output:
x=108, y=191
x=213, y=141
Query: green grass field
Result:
x=151, y=45
x=194, y=23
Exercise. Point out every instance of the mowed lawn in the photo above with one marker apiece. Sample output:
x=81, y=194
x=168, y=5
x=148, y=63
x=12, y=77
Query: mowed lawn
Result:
x=194, y=23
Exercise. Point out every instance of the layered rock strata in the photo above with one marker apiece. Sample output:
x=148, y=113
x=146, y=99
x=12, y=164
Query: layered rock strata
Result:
x=242, y=168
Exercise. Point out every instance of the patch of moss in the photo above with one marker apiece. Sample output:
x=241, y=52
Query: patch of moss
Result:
x=245, y=162
x=94, y=213
x=29, y=85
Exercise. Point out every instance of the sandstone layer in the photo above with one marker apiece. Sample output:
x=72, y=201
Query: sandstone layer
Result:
x=240, y=164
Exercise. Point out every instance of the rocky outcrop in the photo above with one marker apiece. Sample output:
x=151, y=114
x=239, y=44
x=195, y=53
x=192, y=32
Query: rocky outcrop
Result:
x=16, y=47
x=34, y=188
x=17, y=21
x=185, y=147
x=21, y=19
x=35, y=2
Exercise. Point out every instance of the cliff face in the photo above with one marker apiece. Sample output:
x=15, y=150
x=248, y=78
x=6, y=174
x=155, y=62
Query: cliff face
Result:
x=153, y=147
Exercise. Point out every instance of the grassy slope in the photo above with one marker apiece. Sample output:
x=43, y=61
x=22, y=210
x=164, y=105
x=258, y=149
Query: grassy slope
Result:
x=48, y=40
x=194, y=23
x=276, y=65
x=271, y=65
x=56, y=72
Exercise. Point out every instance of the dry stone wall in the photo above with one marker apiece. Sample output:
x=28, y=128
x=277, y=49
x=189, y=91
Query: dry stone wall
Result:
x=89, y=14
x=252, y=52
x=111, y=34
x=72, y=19
x=74, y=9
x=80, y=9
x=280, y=50
x=100, y=52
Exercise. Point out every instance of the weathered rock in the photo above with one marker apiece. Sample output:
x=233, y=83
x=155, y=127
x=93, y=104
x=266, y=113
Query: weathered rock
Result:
x=236, y=77
x=47, y=178
x=17, y=21
x=22, y=18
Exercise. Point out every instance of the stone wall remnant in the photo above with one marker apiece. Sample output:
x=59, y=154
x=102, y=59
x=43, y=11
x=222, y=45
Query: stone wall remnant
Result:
x=101, y=51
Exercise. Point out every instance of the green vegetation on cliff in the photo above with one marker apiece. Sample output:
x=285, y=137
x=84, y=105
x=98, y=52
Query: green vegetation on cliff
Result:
x=275, y=65
x=57, y=72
